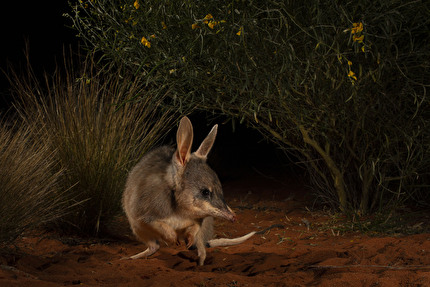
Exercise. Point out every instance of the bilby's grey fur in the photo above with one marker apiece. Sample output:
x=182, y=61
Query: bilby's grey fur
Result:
x=173, y=194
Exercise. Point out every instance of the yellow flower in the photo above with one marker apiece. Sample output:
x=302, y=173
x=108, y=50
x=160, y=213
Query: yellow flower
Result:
x=351, y=74
x=239, y=32
x=363, y=49
x=357, y=28
x=195, y=26
x=208, y=17
x=163, y=25
x=212, y=24
x=136, y=4
x=358, y=39
x=349, y=63
x=145, y=42
x=85, y=4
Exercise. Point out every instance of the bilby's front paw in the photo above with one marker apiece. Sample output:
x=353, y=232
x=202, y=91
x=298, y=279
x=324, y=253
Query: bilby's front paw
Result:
x=171, y=238
x=190, y=239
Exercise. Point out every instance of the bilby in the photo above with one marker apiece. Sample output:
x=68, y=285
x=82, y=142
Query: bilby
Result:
x=173, y=194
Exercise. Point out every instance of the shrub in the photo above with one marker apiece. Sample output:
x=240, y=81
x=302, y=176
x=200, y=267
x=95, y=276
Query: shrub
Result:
x=29, y=182
x=77, y=114
x=342, y=85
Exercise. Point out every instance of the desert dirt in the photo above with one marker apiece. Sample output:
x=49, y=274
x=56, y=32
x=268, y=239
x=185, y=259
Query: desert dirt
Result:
x=309, y=250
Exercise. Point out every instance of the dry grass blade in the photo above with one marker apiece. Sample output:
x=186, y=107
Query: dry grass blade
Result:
x=97, y=141
x=29, y=181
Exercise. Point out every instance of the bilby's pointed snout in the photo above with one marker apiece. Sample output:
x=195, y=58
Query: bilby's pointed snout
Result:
x=226, y=213
x=232, y=214
x=221, y=209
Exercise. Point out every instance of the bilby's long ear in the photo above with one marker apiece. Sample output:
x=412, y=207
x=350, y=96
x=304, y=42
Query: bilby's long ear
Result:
x=184, y=140
x=207, y=143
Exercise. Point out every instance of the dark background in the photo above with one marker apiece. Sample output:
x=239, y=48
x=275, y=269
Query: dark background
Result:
x=41, y=26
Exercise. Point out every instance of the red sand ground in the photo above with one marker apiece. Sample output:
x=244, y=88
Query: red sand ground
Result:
x=309, y=251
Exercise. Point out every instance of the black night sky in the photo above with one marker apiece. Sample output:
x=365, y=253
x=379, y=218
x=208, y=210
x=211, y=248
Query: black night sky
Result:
x=39, y=23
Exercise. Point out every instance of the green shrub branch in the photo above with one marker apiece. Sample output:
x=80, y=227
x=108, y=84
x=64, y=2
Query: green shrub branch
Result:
x=341, y=85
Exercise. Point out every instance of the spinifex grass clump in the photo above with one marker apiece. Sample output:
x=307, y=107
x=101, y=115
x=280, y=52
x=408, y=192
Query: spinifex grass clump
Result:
x=76, y=114
x=29, y=184
x=342, y=85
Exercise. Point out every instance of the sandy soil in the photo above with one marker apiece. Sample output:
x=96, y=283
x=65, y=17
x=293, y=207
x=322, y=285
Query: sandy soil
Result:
x=308, y=251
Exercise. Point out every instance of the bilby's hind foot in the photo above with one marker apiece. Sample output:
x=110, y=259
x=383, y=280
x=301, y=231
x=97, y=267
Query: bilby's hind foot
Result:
x=152, y=248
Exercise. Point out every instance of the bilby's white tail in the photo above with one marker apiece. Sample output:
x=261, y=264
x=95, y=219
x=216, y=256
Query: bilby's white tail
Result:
x=229, y=241
x=234, y=241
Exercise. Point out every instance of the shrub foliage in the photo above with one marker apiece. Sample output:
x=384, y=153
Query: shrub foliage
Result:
x=343, y=85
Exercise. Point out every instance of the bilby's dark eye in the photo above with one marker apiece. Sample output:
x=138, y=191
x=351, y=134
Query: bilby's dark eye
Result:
x=205, y=192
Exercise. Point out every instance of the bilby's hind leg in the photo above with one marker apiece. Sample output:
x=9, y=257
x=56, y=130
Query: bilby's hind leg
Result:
x=153, y=246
